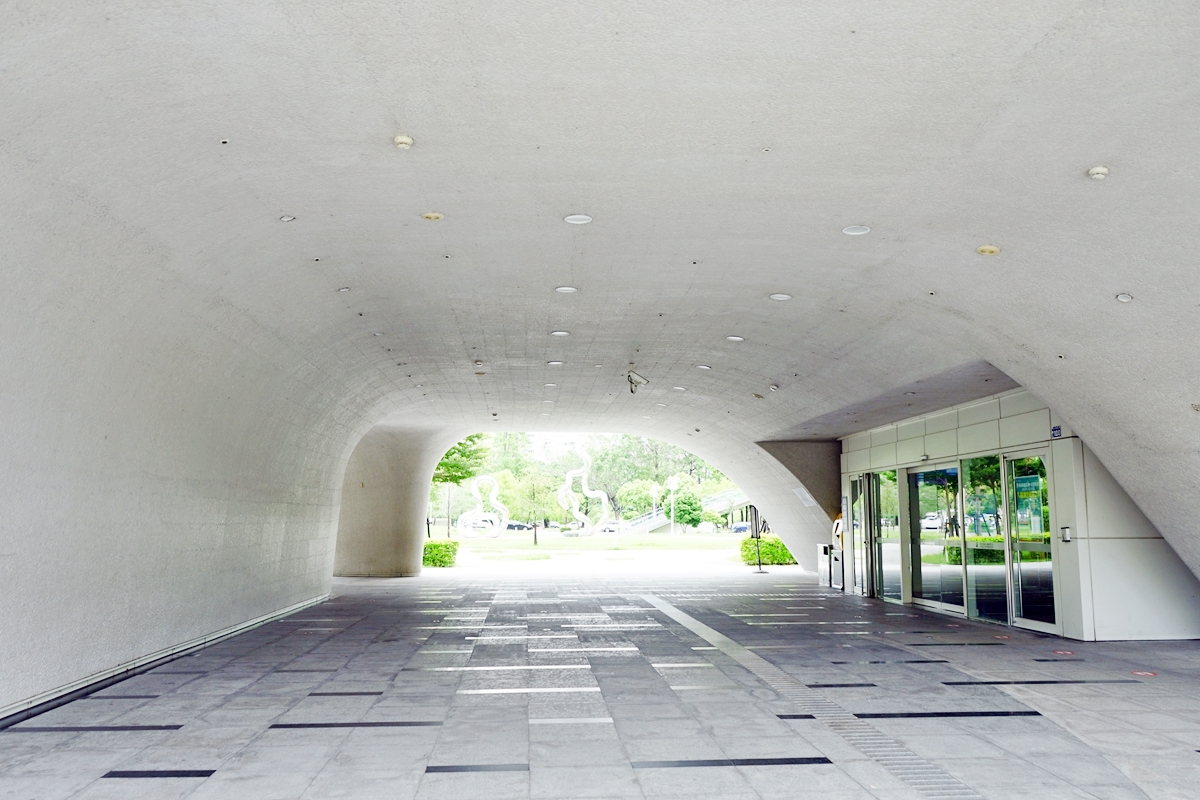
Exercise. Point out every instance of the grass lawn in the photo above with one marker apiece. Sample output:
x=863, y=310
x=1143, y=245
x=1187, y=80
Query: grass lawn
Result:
x=519, y=544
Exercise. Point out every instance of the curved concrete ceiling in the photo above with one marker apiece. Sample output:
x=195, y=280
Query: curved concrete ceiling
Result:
x=187, y=188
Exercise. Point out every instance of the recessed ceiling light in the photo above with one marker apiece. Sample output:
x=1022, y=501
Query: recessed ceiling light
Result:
x=378, y=334
x=545, y=414
x=344, y=289
x=577, y=219
x=780, y=296
x=479, y=363
x=680, y=389
x=433, y=215
x=547, y=401
x=286, y=218
x=910, y=393
x=598, y=366
x=566, y=289
x=703, y=366
x=987, y=250
x=419, y=385
x=1098, y=173
x=554, y=363
x=551, y=385
x=773, y=388
x=403, y=142
x=560, y=333
x=661, y=405
x=855, y=230
x=735, y=339
x=1124, y=297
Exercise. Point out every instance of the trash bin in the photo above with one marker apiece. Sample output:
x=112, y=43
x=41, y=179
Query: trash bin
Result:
x=837, y=578
x=823, y=564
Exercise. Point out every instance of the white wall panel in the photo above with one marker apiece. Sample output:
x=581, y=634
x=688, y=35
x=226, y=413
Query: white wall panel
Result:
x=1027, y=428
x=984, y=436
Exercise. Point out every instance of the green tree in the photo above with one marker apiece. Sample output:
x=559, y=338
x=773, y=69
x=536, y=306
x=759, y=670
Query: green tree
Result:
x=688, y=509
x=508, y=451
x=462, y=461
x=636, y=498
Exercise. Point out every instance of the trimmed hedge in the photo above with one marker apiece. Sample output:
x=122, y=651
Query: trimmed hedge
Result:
x=773, y=551
x=440, y=553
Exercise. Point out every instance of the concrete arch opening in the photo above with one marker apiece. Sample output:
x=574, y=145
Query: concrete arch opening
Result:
x=387, y=512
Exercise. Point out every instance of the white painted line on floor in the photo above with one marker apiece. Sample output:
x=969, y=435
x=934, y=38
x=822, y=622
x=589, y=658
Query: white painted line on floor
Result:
x=814, y=622
x=683, y=666
x=584, y=650
x=529, y=691
x=511, y=638
x=572, y=721
x=464, y=652
x=706, y=686
x=524, y=666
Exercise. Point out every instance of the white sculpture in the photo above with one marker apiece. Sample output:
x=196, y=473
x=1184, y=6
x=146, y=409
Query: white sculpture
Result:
x=568, y=499
x=493, y=524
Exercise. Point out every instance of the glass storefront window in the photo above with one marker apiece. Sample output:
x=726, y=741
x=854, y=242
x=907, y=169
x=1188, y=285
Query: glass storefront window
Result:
x=1029, y=540
x=936, y=536
x=987, y=584
x=888, y=579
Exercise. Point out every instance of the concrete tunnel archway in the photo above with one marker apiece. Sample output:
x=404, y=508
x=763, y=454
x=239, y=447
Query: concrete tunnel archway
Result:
x=385, y=492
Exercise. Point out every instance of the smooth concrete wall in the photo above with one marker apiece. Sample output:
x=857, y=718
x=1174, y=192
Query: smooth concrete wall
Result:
x=385, y=497
x=1140, y=588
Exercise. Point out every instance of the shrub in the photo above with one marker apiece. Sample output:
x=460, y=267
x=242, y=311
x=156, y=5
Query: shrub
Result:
x=440, y=553
x=774, y=551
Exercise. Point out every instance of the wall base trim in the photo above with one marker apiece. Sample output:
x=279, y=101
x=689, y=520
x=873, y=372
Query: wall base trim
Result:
x=41, y=703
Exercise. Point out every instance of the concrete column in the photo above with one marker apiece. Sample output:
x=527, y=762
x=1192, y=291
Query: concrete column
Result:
x=385, y=494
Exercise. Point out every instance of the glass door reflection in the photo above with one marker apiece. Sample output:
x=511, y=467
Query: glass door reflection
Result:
x=858, y=533
x=885, y=506
x=935, y=536
x=1030, y=548
x=987, y=573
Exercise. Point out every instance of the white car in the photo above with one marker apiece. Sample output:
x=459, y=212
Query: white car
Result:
x=933, y=521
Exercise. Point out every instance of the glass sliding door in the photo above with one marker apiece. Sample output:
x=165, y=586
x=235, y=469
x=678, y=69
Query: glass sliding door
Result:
x=885, y=507
x=935, y=536
x=1030, y=542
x=859, y=532
x=983, y=510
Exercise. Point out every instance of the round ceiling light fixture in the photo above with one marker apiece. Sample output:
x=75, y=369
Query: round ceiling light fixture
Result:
x=344, y=289
x=987, y=250
x=735, y=338
x=433, y=215
x=773, y=388
x=780, y=296
x=377, y=334
x=560, y=333
x=566, y=289
x=403, y=142
x=1125, y=297
x=287, y=218
x=554, y=363
x=547, y=401
x=577, y=219
x=680, y=389
x=550, y=385
x=479, y=363
x=703, y=366
x=855, y=230
x=661, y=405
x=1098, y=173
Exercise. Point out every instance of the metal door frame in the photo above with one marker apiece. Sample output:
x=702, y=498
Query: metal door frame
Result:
x=1043, y=452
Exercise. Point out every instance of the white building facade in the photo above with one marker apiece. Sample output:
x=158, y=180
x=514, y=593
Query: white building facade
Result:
x=995, y=510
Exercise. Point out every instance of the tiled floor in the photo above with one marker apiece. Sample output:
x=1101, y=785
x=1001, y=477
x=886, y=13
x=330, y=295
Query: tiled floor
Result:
x=760, y=686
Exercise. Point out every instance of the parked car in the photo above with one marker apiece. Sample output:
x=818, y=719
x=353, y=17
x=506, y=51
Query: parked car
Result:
x=932, y=521
x=519, y=526
x=741, y=527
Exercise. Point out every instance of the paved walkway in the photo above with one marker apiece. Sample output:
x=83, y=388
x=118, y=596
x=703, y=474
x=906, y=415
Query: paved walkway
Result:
x=730, y=686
